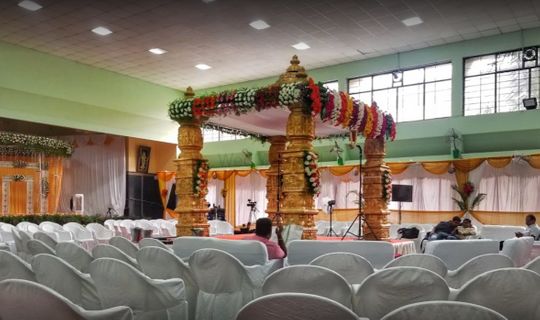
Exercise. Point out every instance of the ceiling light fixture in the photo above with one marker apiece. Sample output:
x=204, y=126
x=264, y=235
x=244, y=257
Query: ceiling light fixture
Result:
x=102, y=31
x=208, y=1
x=29, y=5
x=412, y=21
x=202, y=66
x=259, y=25
x=157, y=51
x=301, y=46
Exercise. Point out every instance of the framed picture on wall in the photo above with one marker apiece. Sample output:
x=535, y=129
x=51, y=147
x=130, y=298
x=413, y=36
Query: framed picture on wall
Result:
x=143, y=159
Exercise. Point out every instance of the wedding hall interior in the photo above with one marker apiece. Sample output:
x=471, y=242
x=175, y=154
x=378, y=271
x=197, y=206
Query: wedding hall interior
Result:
x=233, y=159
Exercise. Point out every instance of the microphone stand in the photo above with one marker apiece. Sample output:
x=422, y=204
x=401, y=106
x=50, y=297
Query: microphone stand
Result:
x=331, y=230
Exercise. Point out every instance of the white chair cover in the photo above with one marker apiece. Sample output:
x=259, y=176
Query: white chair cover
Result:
x=146, y=225
x=159, y=263
x=425, y=261
x=220, y=227
x=75, y=255
x=443, y=310
x=81, y=235
x=45, y=238
x=6, y=233
x=21, y=299
x=224, y=284
x=499, y=233
x=29, y=227
x=519, y=250
x=108, y=251
x=512, y=292
x=378, y=253
x=100, y=233
x=476, y=266
x=309, y=279
x=21, y=240
x=454, y=253
x=392, y=288
x=533, y=265
x=13, y=267
x=322, y=227
x=150, y=242
x=60, y=276
x=294, y=306
x=350, y=266
x=126, y=225
x=57, y=230
x=168, y=228
x=125, y=245
x=111, y=225
x=37, y=247
x=119, y=284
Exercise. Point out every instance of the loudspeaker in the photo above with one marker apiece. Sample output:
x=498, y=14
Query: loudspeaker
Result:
x=402, y=193
x=530, y=103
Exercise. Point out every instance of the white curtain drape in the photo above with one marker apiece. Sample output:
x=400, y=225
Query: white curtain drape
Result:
x=97, y=169
x=337, y=188
x=430, y=191
x=512, y=188
x=214, y=192
x=251, y=187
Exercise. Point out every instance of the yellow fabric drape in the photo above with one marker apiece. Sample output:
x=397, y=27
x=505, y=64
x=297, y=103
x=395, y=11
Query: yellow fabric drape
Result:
x=17, y=197
x=220, y=174
x=398, y=167
x=341, y=170
x=230, y=198
x=163, y=178
x=534, y=161
x=499, y=163
x=436, y=167
x=56, y=170
x=467, y=165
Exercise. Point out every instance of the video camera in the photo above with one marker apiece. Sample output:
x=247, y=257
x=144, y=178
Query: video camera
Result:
x=251, y=204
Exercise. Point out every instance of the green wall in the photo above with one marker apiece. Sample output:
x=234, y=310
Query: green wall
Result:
x=485, y=135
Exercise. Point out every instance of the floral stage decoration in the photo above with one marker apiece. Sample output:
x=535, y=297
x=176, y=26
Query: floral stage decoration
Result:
x=336, y=108
x=311, y=171
x=386, y=186
x=25, y=145
x=464, y=202
x=200, y=178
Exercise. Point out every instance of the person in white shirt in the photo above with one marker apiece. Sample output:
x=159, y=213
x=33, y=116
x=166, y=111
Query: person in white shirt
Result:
x=531, y=230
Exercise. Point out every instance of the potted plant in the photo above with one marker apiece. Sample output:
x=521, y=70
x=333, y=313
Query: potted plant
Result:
x=464, y=202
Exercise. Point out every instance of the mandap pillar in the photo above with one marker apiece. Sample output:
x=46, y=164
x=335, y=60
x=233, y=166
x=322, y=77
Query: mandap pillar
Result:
x=191, y=171
x=277, y=146
x=298, y=203
x=375, y=189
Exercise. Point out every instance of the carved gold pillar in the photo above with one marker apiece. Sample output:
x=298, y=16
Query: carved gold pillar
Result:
x=191, y=208
x=376, y=208
x=277, y=146
x=298, y=204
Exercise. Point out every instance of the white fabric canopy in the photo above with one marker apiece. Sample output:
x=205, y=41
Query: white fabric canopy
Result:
x=214, y=192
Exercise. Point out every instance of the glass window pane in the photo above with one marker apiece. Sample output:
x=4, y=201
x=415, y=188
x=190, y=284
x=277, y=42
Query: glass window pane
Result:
x=512, y=88
x=439, y=72
x=333, y=85
x=480, y=95
x=438, y=99
x=360, y=85
x=354, y=85
x=535, y=83
x=480, y=65
x=364, y=97
x=410, y=103
x=413, y=76
x=386, y=100
x=382, y=81
x=509, y=60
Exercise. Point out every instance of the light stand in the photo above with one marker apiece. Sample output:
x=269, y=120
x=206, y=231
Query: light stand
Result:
x=331, y=231
x=277, y=215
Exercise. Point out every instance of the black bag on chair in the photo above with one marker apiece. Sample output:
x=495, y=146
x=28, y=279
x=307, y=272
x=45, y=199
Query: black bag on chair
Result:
x=408, y=233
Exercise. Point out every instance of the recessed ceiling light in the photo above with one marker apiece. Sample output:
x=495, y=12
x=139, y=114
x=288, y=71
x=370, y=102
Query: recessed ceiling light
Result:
x=259, y=25
x=208, y=1
x=412, y=21
x=157, y=51
x=29, y=5
x=102, y=31
x=202, y=66
x=301, y=46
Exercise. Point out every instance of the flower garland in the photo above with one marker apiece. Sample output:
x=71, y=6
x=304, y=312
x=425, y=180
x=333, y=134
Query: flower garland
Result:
x=386, y=180
x=18, y=177
x=200, y=178
x=23, y=144
x=311, y=172
x=338, y=108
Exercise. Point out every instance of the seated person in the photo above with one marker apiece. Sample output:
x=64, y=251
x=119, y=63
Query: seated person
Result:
x=465, y=230
x=531, y=230
x=446, y=230
x=263, y=232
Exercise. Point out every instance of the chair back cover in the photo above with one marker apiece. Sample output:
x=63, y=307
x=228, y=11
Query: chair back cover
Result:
x=476, y=266
x=21, y=239
x=391, y=288
x=499, y=233
x=221, y=227
x=108, y=251
x=29, y=227
x=425, y=261
x=101, y=233
x=125, y=245
x=37, y=247
x=21, y=299
x=350, y=266
x=55, y=229
x=13, y=267
x=294, y=306
x=60, y=276
x=533, y=265
x=220, y=297
x=168, y=228
x=79, y=231
x=249, y=252
x=519, y=250
x=45, y=238
x=454, y=253
x=119, y=284
x=75, y=255
x=150, y=242
x=309, y=279
x=512, y=292
x=6, y=232
x=443, y=310
x=378, y=253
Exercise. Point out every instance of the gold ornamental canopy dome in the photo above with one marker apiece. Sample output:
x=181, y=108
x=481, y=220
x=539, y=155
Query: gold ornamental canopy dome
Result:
x=295, y=73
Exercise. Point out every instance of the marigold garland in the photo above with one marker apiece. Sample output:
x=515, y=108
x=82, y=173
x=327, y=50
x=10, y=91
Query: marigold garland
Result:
x=200, y=178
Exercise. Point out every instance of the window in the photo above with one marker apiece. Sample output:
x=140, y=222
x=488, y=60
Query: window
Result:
x=409, y=95
x=211, y=135
x=499, y=82
x=332, y=85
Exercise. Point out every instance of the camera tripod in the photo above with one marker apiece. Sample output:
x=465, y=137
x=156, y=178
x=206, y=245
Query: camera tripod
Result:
x=331, y=231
